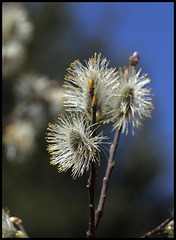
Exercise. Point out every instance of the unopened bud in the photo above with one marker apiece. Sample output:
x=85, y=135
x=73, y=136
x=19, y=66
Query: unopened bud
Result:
x=98, y=114
x=126, y=73
x=136, y=55
x=91, y=84
x=133, y=60
x=95, y=101
x=15, y=219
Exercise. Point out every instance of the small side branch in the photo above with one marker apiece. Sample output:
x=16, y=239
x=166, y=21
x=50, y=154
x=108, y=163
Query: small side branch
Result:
x=111, y=163
x=18, y=222
x=158, y=229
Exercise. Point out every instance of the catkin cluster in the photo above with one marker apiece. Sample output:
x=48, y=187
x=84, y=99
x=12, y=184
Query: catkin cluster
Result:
x=122, y=97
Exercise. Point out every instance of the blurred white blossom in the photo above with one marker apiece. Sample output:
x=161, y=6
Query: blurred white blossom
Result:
x=15, y=23
x=16, y=32
x=13, y=56
x=19, y=139
x=35, y=91
x=31, y=86
x=34, y=111
x=54, y=97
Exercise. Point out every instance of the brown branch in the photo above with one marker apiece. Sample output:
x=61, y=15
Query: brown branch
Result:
x=110, y=166
x=158, y=229
x=99, y=211
x=90, y=185
x=91, y=180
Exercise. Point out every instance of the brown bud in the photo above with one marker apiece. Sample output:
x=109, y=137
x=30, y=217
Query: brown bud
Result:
x=91, y=84
x=136, y=55
x=95, y=101
x=133, y=60
x=16, y=220
x=126, y=73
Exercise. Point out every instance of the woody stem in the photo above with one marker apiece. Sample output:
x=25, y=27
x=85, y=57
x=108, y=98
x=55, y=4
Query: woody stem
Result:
x=91, y=181
x=110, y=166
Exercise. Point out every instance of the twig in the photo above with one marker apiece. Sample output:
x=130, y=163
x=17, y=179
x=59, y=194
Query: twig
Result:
x=110, y=166
x=90, y=185
x=133, y=60
x=91, y=180
x=158, y=229
x=18, y=222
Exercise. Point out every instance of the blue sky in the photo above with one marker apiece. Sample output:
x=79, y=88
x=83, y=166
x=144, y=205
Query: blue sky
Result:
x=145, y=27
x=148, y=29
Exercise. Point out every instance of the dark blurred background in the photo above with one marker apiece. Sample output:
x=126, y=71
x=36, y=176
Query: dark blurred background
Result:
x=40, y=40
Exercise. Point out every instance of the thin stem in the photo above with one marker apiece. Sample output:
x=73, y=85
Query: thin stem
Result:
x=18, y=222
x=110, y=166
x=91, y=183
x=158, y=229
x=22, y=229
